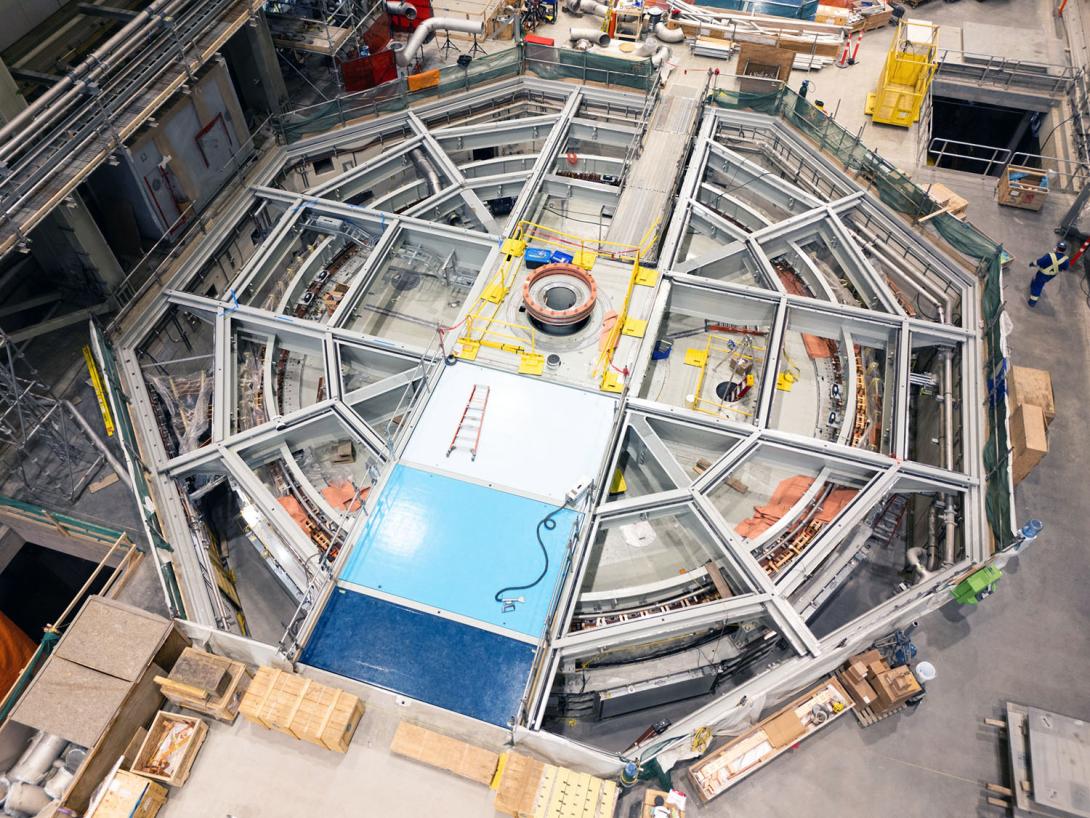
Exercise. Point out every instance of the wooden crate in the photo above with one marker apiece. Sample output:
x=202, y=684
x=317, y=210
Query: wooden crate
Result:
x=446, y=753
x=206, y=683
x=128, y=795
x=1026, y=385
x=1028, y=188
x=187, y=751
x=303, y=708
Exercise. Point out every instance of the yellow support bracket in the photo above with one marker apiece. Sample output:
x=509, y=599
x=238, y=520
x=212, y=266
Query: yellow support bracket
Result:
x=531, y=363
x=513, y=247
x=634, y=327
x=497, y=777
x=611, y=382
x=646, y=277
x=494, y=293
x=696, y=357
x=467, y=349
x=585, y=259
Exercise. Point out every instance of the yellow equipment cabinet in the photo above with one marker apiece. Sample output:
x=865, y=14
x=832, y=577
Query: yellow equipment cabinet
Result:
x=910, y=67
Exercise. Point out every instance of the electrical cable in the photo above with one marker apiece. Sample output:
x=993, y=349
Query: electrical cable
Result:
x=548, y=523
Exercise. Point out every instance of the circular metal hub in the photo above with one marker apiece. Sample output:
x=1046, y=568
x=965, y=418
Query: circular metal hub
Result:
x=559, y=298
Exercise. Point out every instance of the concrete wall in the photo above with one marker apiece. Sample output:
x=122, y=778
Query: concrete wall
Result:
x=196, y=136
x=20, y=16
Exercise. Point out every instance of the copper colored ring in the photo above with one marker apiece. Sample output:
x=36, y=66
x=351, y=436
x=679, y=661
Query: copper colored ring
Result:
x=575, y=314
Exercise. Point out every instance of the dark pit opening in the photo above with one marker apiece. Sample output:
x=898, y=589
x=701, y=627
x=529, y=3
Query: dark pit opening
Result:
x=559, y=297
x=975, y=137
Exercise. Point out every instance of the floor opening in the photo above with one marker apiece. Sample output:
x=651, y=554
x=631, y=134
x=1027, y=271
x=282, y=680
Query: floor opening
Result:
x=974, y=137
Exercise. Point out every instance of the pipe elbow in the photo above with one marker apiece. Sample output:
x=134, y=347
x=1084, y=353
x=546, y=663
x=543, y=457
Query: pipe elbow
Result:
x=401, y=9
x=424, y=31
x=594, y=35
x=669, y=35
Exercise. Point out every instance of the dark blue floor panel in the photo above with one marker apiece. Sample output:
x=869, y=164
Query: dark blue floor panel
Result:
x=454, y=666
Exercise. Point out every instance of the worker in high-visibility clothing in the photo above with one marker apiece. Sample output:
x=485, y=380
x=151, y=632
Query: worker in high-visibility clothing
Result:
x=1047, y=266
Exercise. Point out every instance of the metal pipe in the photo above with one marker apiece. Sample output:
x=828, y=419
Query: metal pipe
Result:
x=949, y=544
x=96, y=441
x=669, y=35
x=38, y=758
x=592, y=7
x=916, y=558
x=594, y=35
x=103, y=57
x=425, y=30
x=401, y=9
x=661, y=56
x=426, y=169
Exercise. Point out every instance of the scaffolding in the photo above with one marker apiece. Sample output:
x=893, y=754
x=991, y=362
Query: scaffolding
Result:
x=46, y=446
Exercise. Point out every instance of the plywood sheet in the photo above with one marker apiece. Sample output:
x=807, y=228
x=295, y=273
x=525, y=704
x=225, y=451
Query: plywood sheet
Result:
x=72, y=701
x=113, y=638
x=446, y=753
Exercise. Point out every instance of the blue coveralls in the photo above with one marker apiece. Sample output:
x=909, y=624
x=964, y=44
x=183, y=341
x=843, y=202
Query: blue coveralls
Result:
x=1047, y=268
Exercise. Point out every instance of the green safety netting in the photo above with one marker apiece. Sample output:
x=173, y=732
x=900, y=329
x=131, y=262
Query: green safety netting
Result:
x=552, y=63
x=900, y=193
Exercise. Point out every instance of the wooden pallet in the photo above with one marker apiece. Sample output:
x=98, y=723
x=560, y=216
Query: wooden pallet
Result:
x=866, y=717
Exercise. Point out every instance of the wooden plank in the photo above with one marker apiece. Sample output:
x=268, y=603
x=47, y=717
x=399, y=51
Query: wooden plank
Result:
x=518, y=788
x=302, y=708
x=445, y=753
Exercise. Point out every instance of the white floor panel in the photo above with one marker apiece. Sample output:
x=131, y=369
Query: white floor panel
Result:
x=538, y=438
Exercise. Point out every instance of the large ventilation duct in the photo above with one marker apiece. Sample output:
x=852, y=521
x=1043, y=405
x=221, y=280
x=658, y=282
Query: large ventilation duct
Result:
x=401, y=10
x=425, y=168
x=669, y=35
x=594, y=35
x=587, y=7
x=427, y=28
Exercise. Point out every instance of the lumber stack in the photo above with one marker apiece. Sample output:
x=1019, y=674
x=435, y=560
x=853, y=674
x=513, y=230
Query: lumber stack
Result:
x=205, y=683
x=525, y=787
x=445, y=753
x=302, y=708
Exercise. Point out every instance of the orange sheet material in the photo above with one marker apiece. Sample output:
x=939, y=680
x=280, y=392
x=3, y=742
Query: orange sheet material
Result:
x=425, y=79
x=787, y=493
x=816, y=347
x=16, y=648
x=342, y=496
x=295, y=511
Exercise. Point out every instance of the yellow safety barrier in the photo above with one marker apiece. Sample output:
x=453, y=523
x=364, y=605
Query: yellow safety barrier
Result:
x=699, y=358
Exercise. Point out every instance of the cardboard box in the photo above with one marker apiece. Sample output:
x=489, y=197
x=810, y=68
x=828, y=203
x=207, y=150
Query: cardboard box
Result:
x=857, y=669
x=1033, y=386
x=894, y=687
x=1029, y=441
x=861, y=692
x=785, y=729
x=876, y=668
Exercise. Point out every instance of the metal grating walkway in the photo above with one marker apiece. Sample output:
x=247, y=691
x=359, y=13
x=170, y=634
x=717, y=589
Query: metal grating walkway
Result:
x=646, y=194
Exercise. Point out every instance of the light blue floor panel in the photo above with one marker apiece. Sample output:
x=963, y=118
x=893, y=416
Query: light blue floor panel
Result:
x=451, y=545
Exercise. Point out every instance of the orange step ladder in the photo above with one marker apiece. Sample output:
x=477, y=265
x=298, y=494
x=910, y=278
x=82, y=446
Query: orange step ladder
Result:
x=472, y=420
